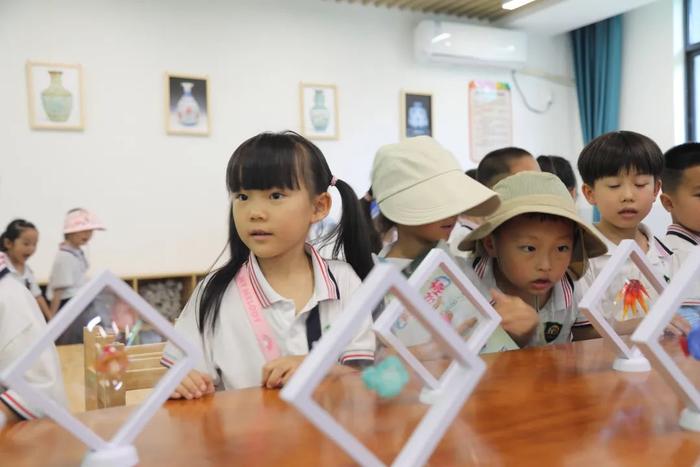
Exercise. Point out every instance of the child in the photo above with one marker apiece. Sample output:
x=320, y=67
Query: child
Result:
x=621, y=176
x=529, y=252
x=278, y=184
x=502, y=162
x=69, y=269
x=21, y=324
x=495, y=166
x=681, y=198
x=18, y=242
x=561, y=168
x=420, y=187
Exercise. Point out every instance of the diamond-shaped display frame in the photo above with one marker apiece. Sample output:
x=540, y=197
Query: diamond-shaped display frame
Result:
x=434, y=260
x=628, y=358
x=459, y=383
x=120, y=443
x=647, y=335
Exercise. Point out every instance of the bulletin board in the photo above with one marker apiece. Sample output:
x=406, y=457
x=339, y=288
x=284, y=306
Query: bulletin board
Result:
x=490, y=117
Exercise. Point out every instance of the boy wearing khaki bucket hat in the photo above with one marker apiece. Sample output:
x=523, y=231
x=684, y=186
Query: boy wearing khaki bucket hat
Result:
x=529, y=252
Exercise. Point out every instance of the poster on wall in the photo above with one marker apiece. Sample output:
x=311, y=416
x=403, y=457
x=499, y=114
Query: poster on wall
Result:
x=187, y=110
x=55, y=96
x=490, y=117
x=416, y=114
x=319, y=111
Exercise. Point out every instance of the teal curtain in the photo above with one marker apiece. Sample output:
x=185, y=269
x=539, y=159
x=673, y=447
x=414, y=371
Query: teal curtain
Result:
x=597, y=67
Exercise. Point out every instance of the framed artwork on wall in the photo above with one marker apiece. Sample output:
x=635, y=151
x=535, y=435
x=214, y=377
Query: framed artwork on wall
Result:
x=319, y=111
x=187, y=110
x=416, y=114
x=55, y=96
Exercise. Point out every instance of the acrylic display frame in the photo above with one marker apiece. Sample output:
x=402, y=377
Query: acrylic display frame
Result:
x=119, y=450
x=646, y=336
x=628, y=359
x=460, y=381
x=438, y=259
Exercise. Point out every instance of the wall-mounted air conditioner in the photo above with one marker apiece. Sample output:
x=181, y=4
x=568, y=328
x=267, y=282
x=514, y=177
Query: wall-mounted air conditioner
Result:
x=439, y=41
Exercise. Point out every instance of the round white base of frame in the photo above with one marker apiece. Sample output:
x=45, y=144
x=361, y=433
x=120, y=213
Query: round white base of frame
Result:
x=117, y=456
x=429, y=396
x=690, y=420
x=636, y=365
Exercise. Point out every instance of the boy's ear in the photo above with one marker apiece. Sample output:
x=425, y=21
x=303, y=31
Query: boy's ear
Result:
x=489, y=243
x=666, y=202
x=657, y=187
x=589, y=194
x=322, y=206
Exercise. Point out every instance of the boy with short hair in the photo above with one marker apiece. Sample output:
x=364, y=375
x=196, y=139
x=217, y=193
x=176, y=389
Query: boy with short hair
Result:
x=530, y=252
x=621, y=174
x=681, y=198
x=500, y=163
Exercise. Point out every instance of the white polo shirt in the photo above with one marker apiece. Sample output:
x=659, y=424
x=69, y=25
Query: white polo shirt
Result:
x=556, y=317
x=21, y=324
x=682, y=242
x=658, y=255
x=68, y=272
x=232, y=355
x=26, y=278
x=459, y=233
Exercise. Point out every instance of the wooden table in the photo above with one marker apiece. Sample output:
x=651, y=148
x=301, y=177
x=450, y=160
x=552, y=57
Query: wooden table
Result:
x=550, y=406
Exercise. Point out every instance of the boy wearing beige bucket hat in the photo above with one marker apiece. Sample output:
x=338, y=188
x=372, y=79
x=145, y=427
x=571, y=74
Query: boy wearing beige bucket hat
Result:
x=420, y=187
x=529, y=252
x=69, y=269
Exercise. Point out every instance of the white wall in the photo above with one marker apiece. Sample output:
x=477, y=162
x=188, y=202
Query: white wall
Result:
x=651, y=63
x=163, y=197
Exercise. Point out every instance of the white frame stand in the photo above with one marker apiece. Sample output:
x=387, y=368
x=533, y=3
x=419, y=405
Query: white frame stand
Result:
x=459, y=382
x=118, y=451
x=434, y=260
x=649, y=331
x=627, y=359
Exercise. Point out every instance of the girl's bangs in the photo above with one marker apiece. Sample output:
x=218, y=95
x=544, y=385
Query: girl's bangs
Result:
x=267, y=161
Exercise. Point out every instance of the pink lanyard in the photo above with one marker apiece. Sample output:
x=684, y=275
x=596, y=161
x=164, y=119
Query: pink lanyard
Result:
x=266, y=340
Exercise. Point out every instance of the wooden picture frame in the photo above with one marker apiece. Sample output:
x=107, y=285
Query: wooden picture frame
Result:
x=187, y=104
x=318, y=111
x=55, y=96
x=417, y=112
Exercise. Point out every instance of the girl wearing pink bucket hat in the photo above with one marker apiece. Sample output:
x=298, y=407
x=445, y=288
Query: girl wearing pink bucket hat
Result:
x=69, y=269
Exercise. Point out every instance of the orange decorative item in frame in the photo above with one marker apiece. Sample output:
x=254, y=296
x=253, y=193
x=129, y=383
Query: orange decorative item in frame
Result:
x=633, y=293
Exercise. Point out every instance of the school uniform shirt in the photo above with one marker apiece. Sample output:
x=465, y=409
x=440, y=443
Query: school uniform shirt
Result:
x=459, y=233
x=21, y=324
x=68, y=272
x=659, y=256
x=557, y=316
x=26, y=278
x=232, y=355
x=682, y=242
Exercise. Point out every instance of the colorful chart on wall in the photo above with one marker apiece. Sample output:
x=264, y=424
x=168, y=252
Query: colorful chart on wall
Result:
x=490, y=117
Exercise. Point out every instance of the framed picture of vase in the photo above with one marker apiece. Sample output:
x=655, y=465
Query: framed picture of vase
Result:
x=416, y=114
x=55, y=96
x=187, y=110
x=319, y=111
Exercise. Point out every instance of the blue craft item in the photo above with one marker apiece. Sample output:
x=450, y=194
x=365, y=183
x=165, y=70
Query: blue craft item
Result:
x=387, y=378
x=694, y=342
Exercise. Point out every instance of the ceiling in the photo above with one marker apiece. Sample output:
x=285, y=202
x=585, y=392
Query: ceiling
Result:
x=487, y=10
x=547, y=17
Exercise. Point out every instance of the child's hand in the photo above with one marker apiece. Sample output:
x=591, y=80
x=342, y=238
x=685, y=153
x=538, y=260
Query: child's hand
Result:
x=517, y=317
x=194, y=386
x=678, y=326
x=277, y=372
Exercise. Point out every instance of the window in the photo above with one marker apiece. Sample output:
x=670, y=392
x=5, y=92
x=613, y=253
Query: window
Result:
x=692, y=66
